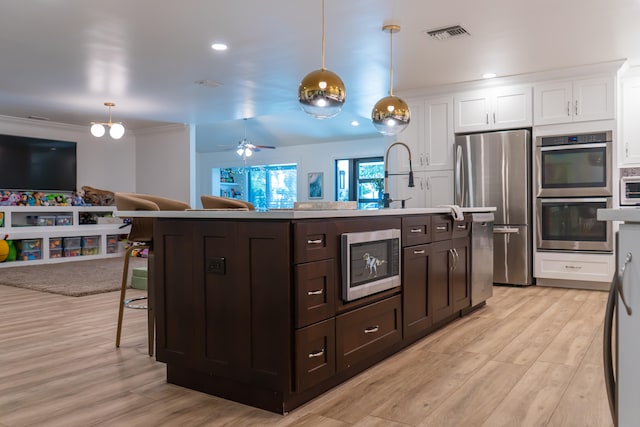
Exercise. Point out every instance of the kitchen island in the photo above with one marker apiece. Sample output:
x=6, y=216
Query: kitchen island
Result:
x=249, y=306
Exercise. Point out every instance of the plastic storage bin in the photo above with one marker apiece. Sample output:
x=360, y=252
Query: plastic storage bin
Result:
x=112, y=243
x=64, y=220
x=55, y=242
x=28, y=249
x=46, y=220
x=71, y=246
x=90, y=245
x=69, y=252
x=55, y=253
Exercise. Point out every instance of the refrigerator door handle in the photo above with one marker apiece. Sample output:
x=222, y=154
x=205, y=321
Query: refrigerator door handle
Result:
x=458, y=177
x=506, y=230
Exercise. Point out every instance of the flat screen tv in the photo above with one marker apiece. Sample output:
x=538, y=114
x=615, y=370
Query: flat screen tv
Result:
x=34, y=164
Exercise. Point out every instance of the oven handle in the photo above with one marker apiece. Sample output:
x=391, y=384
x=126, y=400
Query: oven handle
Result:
x=577, y=200
x=573, y=146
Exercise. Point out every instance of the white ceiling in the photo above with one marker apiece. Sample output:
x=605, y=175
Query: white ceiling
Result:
x=62, y=59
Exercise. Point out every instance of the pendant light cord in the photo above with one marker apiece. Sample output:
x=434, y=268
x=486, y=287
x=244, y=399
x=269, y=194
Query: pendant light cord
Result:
x=322, y=35
x=390, y=62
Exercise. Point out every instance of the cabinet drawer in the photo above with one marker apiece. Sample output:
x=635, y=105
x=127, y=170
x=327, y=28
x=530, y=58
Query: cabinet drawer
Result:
x=314, y=241
x=315, y=354
x=574, y=266
x=416, y=230
x=441, y=226
x=315, y=285
x=460, y=229
x=366, y=331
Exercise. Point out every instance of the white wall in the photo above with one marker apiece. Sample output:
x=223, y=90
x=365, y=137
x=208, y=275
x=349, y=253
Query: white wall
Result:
x=164, y=162
x=102, y=162
x=309, y=158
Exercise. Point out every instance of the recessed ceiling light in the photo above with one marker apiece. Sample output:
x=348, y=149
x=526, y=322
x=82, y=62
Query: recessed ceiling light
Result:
x=488, y=75
x=355, y=123
x=219, y=46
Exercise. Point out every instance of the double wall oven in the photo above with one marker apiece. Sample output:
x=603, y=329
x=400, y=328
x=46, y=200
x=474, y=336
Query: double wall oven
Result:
x=573, y=181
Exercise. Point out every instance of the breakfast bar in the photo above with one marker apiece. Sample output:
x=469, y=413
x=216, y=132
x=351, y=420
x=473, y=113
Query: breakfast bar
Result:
x=271, y=309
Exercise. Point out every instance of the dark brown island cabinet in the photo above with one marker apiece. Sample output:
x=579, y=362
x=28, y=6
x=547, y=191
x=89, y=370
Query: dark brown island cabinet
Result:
x=252, y=310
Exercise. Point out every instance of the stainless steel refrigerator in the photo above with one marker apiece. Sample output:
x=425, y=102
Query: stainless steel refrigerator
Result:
x=494, y=169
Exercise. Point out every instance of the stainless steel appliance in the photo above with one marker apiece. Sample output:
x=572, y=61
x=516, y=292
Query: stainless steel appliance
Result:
x=494, y=170
x=621, y=351
x=574, y=165
x=630, y=190
x=370, y=262
x=481, y=257
x=572, y=224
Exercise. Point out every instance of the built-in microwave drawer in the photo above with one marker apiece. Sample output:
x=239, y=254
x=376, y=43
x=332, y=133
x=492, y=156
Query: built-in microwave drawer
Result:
x=441, y=227
x=416, y=230
x=364, y=332
x=315, y=354
x=314, y=241
x=315, y=288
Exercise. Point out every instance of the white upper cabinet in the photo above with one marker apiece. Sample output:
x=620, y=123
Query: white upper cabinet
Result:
x=429, y=136
x=431, y=189
x=491, y=109
x=630, y=122
x=574, y=101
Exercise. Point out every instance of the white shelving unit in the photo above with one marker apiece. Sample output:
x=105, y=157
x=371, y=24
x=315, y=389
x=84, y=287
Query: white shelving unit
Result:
x=18, y=225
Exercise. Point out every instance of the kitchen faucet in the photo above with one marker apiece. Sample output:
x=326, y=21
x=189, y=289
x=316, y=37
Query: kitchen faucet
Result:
x=386, y=199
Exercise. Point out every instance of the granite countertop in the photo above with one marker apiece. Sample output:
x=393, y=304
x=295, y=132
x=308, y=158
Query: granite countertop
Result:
x=630, y=214
x=290, y=214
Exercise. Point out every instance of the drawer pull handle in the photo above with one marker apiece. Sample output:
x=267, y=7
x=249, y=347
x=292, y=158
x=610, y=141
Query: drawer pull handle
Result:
x=314, y=242
x=318, y=354
x=420, y=252
x=416, y=230
x=572, y=267
x=372, y=330
x=441, y=228
x=318, y=292
x=462, y=226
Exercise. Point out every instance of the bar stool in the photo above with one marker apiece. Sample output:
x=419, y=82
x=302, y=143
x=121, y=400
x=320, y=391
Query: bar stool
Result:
x=216, y=202
x=141, y=237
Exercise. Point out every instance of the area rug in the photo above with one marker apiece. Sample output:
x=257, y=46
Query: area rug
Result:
x=73, y=278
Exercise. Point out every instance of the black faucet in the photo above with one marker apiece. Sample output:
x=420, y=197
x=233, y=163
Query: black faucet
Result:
x=386, y=200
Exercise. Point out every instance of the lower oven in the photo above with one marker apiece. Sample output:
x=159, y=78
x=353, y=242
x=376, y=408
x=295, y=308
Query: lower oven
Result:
x=571, y=224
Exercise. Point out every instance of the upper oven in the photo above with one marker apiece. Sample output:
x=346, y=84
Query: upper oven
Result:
x=574, y=165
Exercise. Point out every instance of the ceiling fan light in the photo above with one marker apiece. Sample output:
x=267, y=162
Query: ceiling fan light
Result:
x=116, y=131
x=240, y=151
x=322, y=94
x=97, y=130
x=248, y=152
x=390, y=115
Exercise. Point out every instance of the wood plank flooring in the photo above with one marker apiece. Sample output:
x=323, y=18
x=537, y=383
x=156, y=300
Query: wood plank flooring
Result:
x=531, y=357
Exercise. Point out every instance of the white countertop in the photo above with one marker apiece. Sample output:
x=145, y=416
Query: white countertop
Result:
x=630, y=214
x=290, y=214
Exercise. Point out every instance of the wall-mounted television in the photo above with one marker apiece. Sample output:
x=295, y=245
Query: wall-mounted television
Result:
x=34, y=164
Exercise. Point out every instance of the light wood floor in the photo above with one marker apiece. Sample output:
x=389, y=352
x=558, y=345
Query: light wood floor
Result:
x=531, y=357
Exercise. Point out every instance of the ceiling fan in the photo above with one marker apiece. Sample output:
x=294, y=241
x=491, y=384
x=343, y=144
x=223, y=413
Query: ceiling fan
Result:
x=246, y=149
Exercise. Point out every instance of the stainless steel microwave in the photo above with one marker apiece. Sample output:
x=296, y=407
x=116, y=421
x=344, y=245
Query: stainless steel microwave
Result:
x=370, y=262
x=630, y=190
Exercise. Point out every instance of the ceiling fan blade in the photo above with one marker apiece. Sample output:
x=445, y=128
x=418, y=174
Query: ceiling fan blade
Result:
x=265, y=146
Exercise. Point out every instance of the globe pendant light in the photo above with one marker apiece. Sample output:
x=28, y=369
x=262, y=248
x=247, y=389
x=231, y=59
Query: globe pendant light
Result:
x=391, y=115
x=321, y=92
x=116, y=130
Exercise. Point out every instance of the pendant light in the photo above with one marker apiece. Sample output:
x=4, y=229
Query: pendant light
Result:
x=391, y=115
x=321, y=92
x=116, y=130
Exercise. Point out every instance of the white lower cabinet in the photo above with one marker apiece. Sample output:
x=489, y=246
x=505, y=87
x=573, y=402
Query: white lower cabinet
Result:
x=574, y=267
x=431, y=189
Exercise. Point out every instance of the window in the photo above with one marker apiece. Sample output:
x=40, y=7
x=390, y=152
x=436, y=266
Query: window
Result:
x=267, y=187
x=360, y=180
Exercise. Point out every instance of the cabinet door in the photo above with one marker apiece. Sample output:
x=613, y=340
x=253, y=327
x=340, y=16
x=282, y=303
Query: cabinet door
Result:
x=552, y=103
x=315, y=291
x=512, y=107
x=472, y=111
x=315, y=354
x=460, y=278
x=630, y=145
x=415, y=197
x=593, y=99
x=415, y=296
x=439, y=188
x=440, y=261
x=437, y=151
